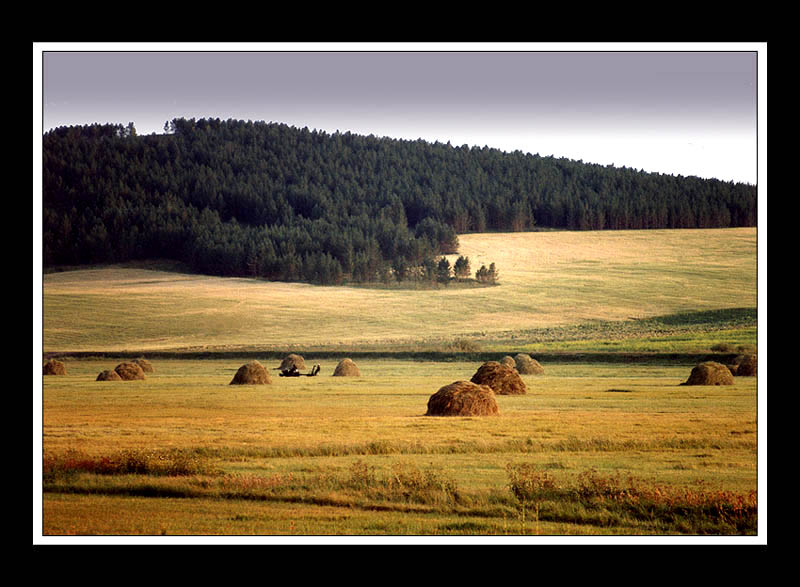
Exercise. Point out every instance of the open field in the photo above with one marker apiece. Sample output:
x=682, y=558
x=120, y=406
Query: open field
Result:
x=318, y=456
x=547, y=280
x=606, y=442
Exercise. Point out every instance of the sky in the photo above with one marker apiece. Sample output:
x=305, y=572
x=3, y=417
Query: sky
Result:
x=674, y=109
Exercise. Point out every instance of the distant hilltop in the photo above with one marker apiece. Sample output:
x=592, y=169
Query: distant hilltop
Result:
x=269, y=200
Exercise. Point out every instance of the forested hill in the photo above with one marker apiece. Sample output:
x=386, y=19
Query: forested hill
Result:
x=266, y=199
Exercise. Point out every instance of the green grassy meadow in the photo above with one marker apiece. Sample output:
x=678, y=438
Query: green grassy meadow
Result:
x=600, y=445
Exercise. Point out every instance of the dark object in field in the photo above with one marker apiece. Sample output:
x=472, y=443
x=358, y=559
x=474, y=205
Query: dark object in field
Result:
x=463, y=398
x=744, y=366
x=710, y=373
x=292, y=360
x=129, y=371
x=146, y=365
x=346, y=368
x=251, y=373
x=501, y=379
x=527, y=366
x=53, y=367
x=293, y=372
x=108, y=375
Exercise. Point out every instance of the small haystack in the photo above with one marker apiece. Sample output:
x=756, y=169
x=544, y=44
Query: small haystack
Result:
x=744, y=366
x=502, y=379
x=250, y=374
x=346, y=368
x=146, y=365
x=129, y=371
x=527, y=365
x=508, y=361
x=108, y=375
x=53, y=367
x=710, y=373
x=463, y=398
x=292, y=360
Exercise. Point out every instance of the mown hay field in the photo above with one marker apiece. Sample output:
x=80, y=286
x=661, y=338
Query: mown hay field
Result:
x=331, y=449
x=616, y=448
x=547, y=280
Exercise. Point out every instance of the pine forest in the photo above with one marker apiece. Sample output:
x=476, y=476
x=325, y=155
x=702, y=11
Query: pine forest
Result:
x=268, y=200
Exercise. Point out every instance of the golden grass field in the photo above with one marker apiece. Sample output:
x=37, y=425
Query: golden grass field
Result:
x=329, y=457
x=547, y=279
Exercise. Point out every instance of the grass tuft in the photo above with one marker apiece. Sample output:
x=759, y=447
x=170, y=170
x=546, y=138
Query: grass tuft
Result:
x=612, y=500
x=170, y=463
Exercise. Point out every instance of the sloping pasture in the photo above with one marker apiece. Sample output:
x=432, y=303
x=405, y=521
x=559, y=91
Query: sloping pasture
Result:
x=547, y=279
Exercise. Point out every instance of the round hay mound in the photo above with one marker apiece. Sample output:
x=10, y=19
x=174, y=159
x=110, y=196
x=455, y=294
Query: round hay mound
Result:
x=710, y=373
x=292, y=360
x=503, y=380
x=746, y=365
x=108, y=375
x=53, y=367
x=463, y=398
x=250, y=374
x=129, y=371
x=528, y=366
x=146, y=365
x=346, y=368
x=508, y=361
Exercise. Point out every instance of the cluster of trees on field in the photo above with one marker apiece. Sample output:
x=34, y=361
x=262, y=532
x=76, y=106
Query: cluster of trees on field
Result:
x=238, y=198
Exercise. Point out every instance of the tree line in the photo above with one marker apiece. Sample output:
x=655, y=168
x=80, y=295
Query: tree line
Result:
x=242, y=198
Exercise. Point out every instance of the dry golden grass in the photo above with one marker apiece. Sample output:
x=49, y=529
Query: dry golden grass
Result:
x=556, y=278
x=190, y=404
x=547, y=279
x=616, y=419
x=631, y=418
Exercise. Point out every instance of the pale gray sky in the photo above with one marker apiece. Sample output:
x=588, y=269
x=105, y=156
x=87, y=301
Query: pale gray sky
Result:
x=688, y=112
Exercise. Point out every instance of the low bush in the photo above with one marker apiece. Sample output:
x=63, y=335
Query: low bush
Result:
x=629, y=501
x=463, y=345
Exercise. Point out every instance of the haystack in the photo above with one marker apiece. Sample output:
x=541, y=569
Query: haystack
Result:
x=346, y=368
x=53, y=367
x=710, y=373
x=745, y=365
x=508, y=361
x=463, y=398
x=146, y=365
x=129, y=371
x=250, y=374
x=527, y=365
x=292, y=360
x=108, y=375
x=502, y=379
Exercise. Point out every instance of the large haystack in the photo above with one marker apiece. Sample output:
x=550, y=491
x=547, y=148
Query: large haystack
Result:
x=53, y=367
x=710, y=373
x=251, y=373
x=292, y=360
x=508, y=361
x=108, y=375
x=128, y=371
x=146, y=365
x=745, y=366
x=527, y=366
x=346, y=368
x=502, y=379
x=463, y=398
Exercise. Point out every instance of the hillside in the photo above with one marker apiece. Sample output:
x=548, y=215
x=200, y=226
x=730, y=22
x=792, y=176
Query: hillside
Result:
x=553, y=287
x=234, y=198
